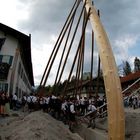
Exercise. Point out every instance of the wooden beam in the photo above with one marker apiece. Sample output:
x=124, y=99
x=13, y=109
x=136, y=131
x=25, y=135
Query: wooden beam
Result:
x=116, y=120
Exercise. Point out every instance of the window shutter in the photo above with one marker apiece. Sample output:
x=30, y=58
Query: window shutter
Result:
x=11, y=59
x=1, y=56
x=6, y=87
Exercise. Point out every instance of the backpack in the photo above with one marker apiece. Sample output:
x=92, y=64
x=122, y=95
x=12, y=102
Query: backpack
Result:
x=23, y=100
x=68, y=108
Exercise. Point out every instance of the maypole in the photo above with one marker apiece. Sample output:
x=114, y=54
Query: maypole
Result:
x=116, y=119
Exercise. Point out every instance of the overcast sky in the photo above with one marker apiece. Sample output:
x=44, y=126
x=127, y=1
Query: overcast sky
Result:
x=43, y=19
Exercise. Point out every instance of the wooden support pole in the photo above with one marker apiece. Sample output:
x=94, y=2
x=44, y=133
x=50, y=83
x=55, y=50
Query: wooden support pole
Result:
x=71, y=43
x=77, y=51
x=81, y=58
x=63, y=52
x=91, y=68
x=116, y=120
x=57, y=44
x=98, y=70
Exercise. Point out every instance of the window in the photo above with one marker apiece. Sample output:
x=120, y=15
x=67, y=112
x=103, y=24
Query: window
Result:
x=19, y=68
x=19, y=93
x=4, y=70
x=1, y=56
x=16, y=90
x=6, y=59
x=4, y=87
x=21, y=73
x=2, y=40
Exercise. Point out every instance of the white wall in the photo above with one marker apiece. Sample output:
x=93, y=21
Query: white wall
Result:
x=9, y=48
x=18, y=81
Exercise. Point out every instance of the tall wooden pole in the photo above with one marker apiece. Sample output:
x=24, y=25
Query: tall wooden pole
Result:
x=116, y=120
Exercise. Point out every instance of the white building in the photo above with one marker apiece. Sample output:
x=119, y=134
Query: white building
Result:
x=16, y=74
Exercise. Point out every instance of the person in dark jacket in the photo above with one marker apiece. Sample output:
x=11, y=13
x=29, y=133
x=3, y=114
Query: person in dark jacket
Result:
x=2, y=100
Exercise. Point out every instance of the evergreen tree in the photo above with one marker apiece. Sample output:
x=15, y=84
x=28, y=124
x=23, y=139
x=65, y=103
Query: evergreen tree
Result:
x=136, y=64
x=126, y=68
x=120, y=70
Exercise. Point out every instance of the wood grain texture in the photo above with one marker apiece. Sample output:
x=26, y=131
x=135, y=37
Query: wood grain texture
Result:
x=116, y=119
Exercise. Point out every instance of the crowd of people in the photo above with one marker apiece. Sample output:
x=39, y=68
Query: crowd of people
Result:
x=61, y=108
x=4, y=104
x=132, y=101
x=7, y=103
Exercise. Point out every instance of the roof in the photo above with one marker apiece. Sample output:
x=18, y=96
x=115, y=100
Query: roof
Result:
x=130, y=77
x=25, y=49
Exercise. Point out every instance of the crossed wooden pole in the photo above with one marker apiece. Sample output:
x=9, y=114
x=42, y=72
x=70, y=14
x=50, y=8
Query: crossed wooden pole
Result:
x=116, y=119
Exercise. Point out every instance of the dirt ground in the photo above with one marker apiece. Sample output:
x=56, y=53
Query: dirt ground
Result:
x=132, y=124
x=41, y=126
x=34, y=126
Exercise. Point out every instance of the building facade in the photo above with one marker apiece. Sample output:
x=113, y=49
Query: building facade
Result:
x=130, y=82
x=87, y=88
x=16, y=73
